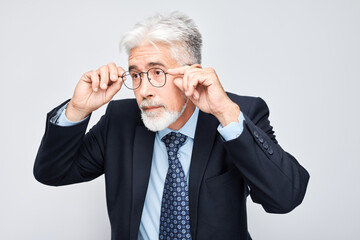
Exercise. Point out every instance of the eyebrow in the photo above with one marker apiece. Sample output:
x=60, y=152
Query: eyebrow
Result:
x=151, y=64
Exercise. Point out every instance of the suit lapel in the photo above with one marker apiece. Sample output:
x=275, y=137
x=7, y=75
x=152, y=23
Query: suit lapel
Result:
x=142, y=157
x=203, y=143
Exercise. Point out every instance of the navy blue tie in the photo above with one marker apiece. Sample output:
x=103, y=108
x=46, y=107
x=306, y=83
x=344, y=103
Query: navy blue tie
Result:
x=175, y=218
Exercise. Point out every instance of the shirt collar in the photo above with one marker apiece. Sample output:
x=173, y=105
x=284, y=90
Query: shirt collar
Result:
x=188, y=129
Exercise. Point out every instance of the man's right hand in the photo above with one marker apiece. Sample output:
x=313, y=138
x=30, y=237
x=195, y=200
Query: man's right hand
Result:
x=94, y=89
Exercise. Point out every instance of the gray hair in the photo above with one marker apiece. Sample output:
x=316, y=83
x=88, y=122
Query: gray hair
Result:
x=175, y=29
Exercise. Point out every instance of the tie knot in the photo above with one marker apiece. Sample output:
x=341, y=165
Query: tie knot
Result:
x=173, y=141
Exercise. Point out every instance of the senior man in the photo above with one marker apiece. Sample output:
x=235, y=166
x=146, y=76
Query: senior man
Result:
x=181, y=159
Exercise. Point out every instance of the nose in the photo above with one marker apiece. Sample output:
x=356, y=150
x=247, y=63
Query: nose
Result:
x=146, y=90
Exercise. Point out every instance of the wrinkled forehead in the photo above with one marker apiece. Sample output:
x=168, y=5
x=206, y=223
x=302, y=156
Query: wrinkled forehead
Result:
x=144, y=55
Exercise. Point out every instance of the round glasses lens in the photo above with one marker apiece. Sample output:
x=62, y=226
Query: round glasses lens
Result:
x=131, y=79
x=157, y=77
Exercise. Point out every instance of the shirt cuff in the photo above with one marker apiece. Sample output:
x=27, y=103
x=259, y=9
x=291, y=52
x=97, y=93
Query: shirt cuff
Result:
x=232, y=130
x=62, y=120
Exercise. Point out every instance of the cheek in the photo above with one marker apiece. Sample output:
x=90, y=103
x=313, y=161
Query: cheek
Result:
x=138, y=98
x=177, y=102
x=178, y=98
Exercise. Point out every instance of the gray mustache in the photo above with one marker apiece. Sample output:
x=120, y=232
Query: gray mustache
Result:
x=150, y=103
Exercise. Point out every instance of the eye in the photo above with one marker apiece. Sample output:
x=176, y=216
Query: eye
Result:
x=135, y=75
x=158, y=72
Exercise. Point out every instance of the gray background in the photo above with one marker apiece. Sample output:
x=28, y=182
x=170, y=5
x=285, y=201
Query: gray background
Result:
x=302, y=57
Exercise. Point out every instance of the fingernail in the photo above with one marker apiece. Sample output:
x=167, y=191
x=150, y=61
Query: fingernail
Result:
x=114, y=77
x=95, y=89
x=103, y=86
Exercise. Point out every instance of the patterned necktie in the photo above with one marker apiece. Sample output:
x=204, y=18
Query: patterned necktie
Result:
x=175, y=218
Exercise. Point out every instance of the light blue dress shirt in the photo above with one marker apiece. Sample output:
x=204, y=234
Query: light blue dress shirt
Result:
x=150, y=219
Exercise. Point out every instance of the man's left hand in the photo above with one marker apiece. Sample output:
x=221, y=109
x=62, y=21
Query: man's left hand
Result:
x=203, y=88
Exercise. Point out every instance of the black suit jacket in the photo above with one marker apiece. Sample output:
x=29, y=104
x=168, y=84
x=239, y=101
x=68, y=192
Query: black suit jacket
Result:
x=222, y=174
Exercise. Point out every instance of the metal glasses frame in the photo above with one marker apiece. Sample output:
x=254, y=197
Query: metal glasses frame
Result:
x=141, y=78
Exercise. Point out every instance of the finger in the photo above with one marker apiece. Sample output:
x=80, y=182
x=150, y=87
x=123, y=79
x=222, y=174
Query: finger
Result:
x=192, y=80
x=185, y=80
x=104, y=76
x=94, y=78
x=196, y=94
x=192, y=84
x=86, y=77
x=177, y=71
x=113, y=72
x=113, y=89
x=182, y=70
x=121, y=71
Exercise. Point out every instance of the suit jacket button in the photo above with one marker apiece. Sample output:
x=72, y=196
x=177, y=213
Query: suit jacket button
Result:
x=261, y=139
x=256, y=134
x=270, y=151
x=265, y=145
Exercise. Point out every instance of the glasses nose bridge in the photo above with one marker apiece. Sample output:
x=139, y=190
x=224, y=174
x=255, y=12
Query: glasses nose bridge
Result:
x=145, y=83
x=142, y=75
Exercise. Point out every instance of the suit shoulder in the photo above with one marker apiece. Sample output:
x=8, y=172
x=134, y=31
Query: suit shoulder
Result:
x=129, y=102
x=125, y=108
x=246, y=103
x=241, y=99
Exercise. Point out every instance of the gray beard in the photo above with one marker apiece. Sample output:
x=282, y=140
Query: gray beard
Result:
x=155, y=123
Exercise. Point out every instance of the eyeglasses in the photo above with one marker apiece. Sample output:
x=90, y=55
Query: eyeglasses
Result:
x=156, y=76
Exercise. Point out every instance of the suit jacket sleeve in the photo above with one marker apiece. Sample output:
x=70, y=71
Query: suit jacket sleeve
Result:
x=66, y=155
x=276, y=180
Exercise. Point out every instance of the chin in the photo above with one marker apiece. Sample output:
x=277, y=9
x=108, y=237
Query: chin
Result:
x=155, y=121
x=158, y=123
